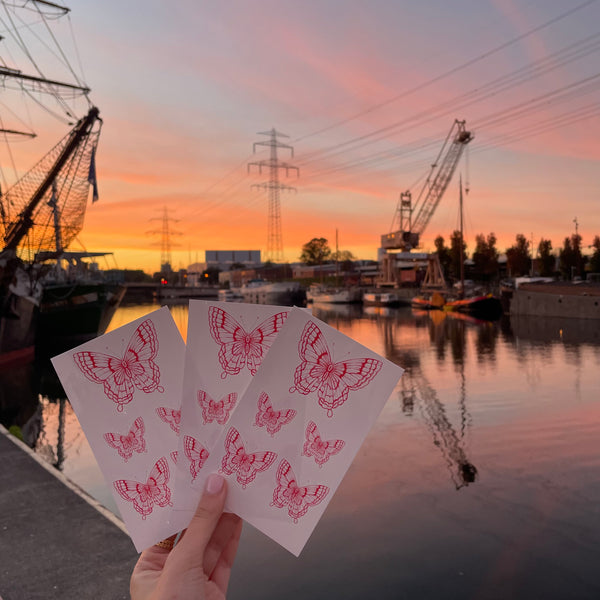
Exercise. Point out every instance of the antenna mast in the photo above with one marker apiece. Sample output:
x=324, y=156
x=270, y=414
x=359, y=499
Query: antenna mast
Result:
x=274, y=237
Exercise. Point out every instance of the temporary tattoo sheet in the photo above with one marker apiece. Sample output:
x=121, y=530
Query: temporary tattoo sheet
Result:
x=125, y=388
x=297, y=428
x=226, y=344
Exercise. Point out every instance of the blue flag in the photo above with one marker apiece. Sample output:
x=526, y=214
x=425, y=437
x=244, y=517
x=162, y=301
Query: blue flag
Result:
x=92, y=176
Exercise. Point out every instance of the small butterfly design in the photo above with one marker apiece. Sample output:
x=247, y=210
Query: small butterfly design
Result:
x=297, y=498
x=145, y=495
x=170, y=416
x=319, y=449
x=317, y=372
x=273, y=420
x=174, y=456
x=240, y=348
x=131, y=442
x=196, y=453
x=245, y=465
x=120, y=376
x=218, y=411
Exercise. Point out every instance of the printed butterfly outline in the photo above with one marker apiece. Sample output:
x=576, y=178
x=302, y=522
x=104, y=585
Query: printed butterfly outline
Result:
x=274, y=420
x=245, y=465
x=170, y=416
x=320, y=450
x=297, y=498
x=196, y=453
x=129, y=443
x=240, y=348
x=332, y=381
x=216, y=411
x=145, y=495
x=120, y=376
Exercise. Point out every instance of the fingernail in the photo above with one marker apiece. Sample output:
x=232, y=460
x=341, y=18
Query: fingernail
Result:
x=214, y=483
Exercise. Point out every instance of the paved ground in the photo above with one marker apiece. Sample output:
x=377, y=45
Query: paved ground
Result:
x=53, y=543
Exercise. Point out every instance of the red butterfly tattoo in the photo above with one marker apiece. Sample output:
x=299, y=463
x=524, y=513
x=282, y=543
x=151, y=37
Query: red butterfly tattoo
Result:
x=145, y=495
x=216, y=411
x=196, y=453
x=239, y=348
x=274, y=420
x=174, y=456
x=332, y=381
x=127, y=444
x=171, y=417
x=120, y=376
x=317, y=448
x=244, y=465
x=297, y=499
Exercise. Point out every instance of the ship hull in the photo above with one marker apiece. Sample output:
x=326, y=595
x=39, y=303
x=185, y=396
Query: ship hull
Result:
x=71, y=314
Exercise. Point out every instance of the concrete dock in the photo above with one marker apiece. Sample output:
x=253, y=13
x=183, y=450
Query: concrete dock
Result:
x=55, y=541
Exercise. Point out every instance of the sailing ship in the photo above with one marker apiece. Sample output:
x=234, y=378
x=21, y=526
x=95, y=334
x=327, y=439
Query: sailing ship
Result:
x=42, y=210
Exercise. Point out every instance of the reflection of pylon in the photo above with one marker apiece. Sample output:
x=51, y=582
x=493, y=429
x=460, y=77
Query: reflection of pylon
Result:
x=274, y=237
x=165, y=240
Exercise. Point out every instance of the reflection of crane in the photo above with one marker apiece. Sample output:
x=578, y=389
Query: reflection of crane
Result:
x=407, y=237
x=416, y=386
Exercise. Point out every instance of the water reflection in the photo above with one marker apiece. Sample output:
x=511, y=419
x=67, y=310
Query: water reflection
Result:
x=512, y=407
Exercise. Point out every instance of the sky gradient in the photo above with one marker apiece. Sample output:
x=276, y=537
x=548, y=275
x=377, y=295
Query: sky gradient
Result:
x=367, y=92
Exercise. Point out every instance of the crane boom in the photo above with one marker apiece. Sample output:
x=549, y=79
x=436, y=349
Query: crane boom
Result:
x=432, y=192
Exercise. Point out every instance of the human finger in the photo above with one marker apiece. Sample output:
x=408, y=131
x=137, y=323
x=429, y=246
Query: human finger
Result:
x=205, y=519
x=223, y=533
x=222, y=571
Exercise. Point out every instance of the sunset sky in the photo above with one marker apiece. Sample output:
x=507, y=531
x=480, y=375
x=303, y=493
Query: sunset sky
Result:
x=366, y=91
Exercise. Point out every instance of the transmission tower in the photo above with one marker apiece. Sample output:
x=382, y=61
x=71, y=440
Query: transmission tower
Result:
x=274, y=237
x=165, y=241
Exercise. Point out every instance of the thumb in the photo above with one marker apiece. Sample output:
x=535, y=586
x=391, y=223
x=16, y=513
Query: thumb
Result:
x=183, y=572
x=207, y=515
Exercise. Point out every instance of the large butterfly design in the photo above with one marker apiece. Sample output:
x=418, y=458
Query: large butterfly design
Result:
x=120, y=376
x=273, y=420
x=245, y=465
x=145, y=495
x=240, y=348
x=196, y=453
x=129, y=443
x=319, y=449
x=297, y=498
x=170, y=416
x=317, y=372
x=218, y=411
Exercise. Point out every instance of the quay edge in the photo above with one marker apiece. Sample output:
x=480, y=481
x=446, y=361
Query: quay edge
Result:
x=57, y=542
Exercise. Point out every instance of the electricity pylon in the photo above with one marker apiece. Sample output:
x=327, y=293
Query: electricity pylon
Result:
x=274, y=237
x=165, y=241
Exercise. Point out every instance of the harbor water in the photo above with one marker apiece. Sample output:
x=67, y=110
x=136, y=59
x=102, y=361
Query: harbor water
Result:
x=480, y=479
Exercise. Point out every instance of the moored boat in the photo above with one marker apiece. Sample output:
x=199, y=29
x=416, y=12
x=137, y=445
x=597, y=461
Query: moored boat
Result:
x=486, y=307
x=286, y=293
x=328, y=295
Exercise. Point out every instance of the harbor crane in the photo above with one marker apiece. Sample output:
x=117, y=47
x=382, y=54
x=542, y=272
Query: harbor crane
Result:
x=412, y=220
x=410, y=229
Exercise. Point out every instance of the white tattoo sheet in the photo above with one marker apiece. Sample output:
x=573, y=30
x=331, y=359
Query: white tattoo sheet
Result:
x=226, y=343
x=125, y=388
x=295, y=431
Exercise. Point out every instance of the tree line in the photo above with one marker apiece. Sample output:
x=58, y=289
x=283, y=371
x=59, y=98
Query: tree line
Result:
x=568, y=263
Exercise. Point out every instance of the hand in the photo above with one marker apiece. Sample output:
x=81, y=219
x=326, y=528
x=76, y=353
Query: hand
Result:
x=199, y=566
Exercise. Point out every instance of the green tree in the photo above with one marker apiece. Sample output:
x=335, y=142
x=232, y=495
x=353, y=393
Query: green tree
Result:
x=444, y=255
x=315, y=252
x=455, y=244
x=517, y=257
x=571, y=259
x=485, y=257
x=595, y=258
x=547, y=260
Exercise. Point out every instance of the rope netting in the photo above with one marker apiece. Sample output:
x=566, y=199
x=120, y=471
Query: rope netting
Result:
x=69, y=195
